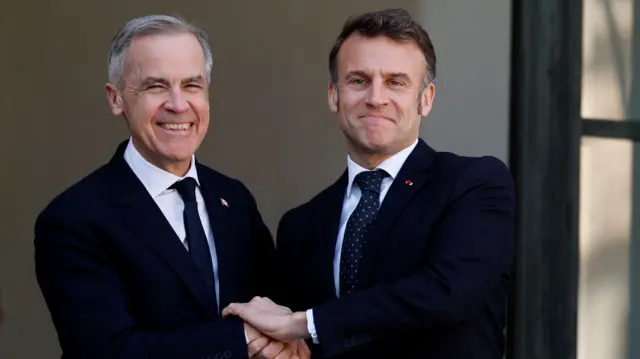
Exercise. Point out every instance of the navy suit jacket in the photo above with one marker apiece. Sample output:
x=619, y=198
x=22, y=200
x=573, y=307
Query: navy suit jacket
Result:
x=119, y=283
x=434, y=278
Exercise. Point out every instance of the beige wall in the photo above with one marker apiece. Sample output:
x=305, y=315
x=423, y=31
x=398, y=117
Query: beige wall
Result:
x=270, y=124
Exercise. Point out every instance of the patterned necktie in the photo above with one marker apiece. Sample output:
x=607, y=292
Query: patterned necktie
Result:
x=196, y=238
x=357, y=226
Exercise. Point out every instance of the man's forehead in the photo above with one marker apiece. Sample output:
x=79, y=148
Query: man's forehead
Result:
x=379, y=54
x=169, y=57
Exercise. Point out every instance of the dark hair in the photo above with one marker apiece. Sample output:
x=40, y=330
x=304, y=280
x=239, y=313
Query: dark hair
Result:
x=395, y=24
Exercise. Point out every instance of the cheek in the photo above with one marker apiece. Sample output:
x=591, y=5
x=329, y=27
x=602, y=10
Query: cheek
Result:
x=200, y=105
x=145, y=110
x=350, y=101
x=407, y=108
x=202, y=109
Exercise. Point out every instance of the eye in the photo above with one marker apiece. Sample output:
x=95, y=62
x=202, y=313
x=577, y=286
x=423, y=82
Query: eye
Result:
x=193, y=86
x=156, y=87
x=358, y=81
x=396, y=83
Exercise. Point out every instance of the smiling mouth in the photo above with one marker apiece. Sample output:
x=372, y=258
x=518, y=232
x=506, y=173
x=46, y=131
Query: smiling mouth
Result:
x=176, y=126
x=376, y=117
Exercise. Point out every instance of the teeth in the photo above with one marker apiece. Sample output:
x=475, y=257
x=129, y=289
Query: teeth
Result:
x=176, y=126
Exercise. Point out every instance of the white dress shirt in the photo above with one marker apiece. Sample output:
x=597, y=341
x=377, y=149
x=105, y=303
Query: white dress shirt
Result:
x=392, y=166
x=157, y=182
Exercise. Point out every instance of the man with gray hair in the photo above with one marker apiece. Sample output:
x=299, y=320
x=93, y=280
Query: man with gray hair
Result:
x=137, y=259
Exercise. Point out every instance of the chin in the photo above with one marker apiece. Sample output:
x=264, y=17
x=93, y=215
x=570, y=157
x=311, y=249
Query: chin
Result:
x=376, y=143
x=179, y=149
x=170, y=156
x=373, y=146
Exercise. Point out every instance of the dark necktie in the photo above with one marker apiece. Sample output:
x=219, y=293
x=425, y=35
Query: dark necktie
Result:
x=358, y=224
x=196, y=238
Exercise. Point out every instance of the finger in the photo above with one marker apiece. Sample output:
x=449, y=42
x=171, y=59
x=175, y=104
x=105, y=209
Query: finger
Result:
x=303, y=350
x=228, y=310
x=251, y=332
x=233, y=309
x=285, y=354
x=272, y=349
x=257, y=345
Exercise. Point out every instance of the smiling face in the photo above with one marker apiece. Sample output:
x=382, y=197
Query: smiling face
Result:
x=379, y=96
x=164, y=98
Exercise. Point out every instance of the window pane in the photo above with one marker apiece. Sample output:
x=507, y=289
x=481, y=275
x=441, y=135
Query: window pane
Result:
x=609, y=82
x=606, y=182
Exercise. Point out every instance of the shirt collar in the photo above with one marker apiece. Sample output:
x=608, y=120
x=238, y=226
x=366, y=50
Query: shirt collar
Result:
x=154, y=179
x=391, y=165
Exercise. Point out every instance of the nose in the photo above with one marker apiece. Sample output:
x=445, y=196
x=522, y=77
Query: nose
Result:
x=376, y=95
x=177, y=102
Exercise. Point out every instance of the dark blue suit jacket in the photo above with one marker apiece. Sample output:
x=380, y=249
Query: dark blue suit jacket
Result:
x=434, y=279
x=119, y=283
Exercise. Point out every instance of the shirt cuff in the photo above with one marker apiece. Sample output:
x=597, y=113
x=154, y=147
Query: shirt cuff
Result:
x=311, y=327
x=246, y=337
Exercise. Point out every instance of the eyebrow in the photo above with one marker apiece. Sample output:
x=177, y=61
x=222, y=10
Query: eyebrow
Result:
x=399, y=74
x=192, y=79
x=154, y=80
x=356, y=73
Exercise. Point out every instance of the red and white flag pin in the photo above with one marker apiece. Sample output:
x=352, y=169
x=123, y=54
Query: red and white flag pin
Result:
x=224, y=202
x=408, y=182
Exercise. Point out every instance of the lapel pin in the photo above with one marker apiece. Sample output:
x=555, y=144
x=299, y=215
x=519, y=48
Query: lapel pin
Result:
x=224, y=202
x=408, y=182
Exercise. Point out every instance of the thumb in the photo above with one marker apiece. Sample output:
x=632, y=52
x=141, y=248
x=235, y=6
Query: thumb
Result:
x=233, y=309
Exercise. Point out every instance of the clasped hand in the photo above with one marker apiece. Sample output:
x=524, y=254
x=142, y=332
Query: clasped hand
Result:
x=274, y=331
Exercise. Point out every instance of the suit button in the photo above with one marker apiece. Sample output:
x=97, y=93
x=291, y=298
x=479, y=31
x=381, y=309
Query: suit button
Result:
x=219, y=356
x=347, y=343
x=227, y=354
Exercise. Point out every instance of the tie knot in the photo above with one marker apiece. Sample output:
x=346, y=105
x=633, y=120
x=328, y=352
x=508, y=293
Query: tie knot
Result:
x=370, y=180
x=186, y=188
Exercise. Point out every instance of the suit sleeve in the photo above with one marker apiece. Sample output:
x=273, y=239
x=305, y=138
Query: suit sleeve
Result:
x=263, y=250
x=88, y=304
x=473, y=248
x=282, y=296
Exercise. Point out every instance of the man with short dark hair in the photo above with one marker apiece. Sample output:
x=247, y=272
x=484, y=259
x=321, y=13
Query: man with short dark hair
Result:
x=408, y=253
x=138, y=259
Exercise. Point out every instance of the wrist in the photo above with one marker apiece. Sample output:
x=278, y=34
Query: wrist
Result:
x=300, y=325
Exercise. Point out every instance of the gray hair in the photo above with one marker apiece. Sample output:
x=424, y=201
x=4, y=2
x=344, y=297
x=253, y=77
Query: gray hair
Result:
x=152, y=25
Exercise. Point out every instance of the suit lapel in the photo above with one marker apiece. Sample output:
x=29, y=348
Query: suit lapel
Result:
x=328, y=222
x=413, y=176
x=139, y=211
x=221, y=224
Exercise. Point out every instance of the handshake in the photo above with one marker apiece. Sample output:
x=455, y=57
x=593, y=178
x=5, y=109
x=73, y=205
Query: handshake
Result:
x=273, y=331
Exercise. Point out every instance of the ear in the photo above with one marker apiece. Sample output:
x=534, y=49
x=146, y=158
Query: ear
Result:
x=333, y=97
x=426, y=99
x=114, y=98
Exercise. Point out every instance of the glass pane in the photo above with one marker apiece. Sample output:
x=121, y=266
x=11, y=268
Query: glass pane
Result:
x=610, y=86
x=606, y=194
